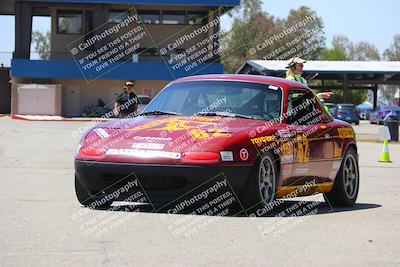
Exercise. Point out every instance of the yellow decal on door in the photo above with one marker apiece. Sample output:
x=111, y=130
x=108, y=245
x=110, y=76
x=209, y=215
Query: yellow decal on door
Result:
x=303, y=149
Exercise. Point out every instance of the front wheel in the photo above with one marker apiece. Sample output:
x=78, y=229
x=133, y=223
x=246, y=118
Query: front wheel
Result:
x=262, y=184
x=345, y=189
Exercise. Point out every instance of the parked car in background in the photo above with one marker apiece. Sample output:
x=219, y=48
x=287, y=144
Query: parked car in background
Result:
x=144, y=100
x=348, y=113
x=393, y=115
x=378, y=116
x=365, y=109
x=332, y=108
x=364, y=114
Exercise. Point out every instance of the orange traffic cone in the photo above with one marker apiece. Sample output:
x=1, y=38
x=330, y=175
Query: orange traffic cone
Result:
x=385, y=156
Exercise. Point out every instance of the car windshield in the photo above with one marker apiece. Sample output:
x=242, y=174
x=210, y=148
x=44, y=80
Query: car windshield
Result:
x=220, y=98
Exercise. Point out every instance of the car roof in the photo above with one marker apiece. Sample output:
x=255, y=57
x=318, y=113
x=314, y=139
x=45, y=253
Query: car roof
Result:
x=346, y=105
x=389, y=107
x=281, y=82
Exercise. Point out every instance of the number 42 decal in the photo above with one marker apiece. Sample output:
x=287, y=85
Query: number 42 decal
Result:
x=302, y=148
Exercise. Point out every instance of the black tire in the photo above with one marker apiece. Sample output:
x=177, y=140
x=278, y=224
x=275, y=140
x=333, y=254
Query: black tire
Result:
x=347, y=183
x=357, y=122
x=256, y=196
x=87, y=199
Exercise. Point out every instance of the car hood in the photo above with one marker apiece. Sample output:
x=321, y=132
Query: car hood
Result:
x=180, y=133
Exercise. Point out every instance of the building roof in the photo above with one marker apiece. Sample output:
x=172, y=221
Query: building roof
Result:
x=8, y=7
x=149, y=2
x=358, y=72
x=330, y=66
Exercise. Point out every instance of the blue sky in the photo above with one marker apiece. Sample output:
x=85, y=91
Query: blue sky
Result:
x=370, y=20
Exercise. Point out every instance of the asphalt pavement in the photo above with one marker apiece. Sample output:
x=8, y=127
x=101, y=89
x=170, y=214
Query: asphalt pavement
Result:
x=42, y=224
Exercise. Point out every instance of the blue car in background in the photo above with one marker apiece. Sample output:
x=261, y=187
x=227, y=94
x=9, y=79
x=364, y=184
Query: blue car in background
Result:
x=347, y=113
x=379, y=115
x=332, y=108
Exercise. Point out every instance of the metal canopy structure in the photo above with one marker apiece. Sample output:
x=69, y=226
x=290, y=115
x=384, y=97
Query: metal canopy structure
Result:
x=8, y=7
x=349, y=75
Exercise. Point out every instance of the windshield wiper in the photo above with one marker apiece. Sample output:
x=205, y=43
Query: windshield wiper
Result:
x=159, y=112
x=224, y=114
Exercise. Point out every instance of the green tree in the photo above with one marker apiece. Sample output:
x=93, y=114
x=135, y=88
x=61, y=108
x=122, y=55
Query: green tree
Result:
x=42, y=44
x=342, y=43
x=251, y=27
x=391, y=53
x=338, y=53
x=334, y=54
x=246, y=23
x=355, y=51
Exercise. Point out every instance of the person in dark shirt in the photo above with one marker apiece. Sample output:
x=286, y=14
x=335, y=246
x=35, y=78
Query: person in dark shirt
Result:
x=126, y=103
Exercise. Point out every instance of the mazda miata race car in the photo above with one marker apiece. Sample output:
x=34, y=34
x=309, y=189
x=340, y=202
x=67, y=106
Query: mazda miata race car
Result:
x=265, y=137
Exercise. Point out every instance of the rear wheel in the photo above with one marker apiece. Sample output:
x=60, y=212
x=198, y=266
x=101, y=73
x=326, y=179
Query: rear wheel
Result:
x=87, y=199
x=345, y=188
x=261, y=188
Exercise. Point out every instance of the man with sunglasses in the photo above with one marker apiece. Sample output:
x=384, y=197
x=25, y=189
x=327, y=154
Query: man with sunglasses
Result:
x=126, y=103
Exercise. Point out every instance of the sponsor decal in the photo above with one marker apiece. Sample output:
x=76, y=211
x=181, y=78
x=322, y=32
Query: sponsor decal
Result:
x=148, y=145
x=142, y=153
x=287, y=159
x=302, y=170
x=244, y=154
x=345, y=133
x=286, y=134
x=219, y=133
x=263, y=139
x=152, y=139
x=287, y=170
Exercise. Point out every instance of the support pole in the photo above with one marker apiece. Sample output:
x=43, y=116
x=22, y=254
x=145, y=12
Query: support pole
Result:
x=345, y=88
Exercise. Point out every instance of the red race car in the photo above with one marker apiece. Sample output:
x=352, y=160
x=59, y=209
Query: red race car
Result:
x=260, y=138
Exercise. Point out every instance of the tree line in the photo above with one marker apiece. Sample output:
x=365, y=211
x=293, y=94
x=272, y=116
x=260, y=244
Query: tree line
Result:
x=251, y=26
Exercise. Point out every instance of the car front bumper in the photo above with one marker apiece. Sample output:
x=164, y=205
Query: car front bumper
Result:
x=161, y=183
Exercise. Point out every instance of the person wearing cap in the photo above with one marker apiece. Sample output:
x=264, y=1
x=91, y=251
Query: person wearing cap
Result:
x=126, y=103
x=294, y=72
